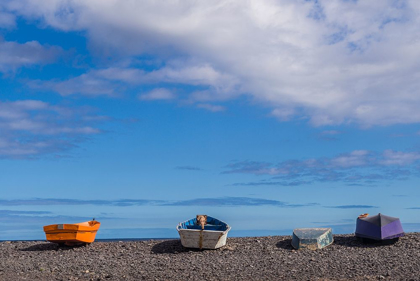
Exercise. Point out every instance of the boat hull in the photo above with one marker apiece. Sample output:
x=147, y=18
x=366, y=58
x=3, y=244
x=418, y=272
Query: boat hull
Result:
x=312, y=238
x=213, y=236
x=71, y=234
x=202, y=239
x=379, y=228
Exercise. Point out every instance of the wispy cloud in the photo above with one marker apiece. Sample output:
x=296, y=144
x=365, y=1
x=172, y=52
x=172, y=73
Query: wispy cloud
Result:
x=399, y=158
x=235, y=201
x=272, y=183
x=218, y=202
x=188, y=168
x=13, y=212
x=16, y=55
x=211, y=107
x=114, y=80
x=7, y=20
x=330, y=135
x=158, y=94
x=358, y=166
x=38, y=220
x=32, y=127
x=84, y=84
x=352, y=207
x=75, y=202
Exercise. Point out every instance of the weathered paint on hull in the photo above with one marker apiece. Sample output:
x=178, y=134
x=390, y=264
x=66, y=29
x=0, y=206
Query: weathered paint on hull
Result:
x=312, y=238
x=202, y=239
x=213, y=235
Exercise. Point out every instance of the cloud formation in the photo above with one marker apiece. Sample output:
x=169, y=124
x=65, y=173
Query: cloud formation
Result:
x=15, y=55
x=235, y=201
x=158, y=94
x=31, y=219
x=13, y=212
x=217, y=202
x=356, y=167
x=114, y=80
x=32, y=127
x=329, y=61
x=85, y=84
x=329, y=135
x=75, y=202
x=352, y=207
x=211, y=107
x=188, y=168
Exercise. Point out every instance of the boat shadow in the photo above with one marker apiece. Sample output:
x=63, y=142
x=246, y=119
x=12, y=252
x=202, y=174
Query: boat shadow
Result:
x=350, y=242
x=353, y=241
x=49, y=247
x=171, y=247
x=285, y=244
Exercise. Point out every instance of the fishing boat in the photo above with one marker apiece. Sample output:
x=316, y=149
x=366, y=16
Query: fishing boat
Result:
x=72, y=234
x=211, y=234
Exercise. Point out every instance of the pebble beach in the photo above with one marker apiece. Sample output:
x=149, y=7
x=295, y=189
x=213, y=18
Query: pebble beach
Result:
x=251, y=258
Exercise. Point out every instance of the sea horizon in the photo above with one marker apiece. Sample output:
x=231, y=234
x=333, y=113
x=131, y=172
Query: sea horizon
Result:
x=107, y=236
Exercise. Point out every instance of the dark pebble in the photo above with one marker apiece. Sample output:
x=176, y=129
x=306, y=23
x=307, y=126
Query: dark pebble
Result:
x=265, y=258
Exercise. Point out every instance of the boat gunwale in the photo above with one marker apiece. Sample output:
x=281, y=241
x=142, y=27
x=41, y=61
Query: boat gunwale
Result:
x=179, y=229
x=73, y=226
x=208, y=230
x=69, y=231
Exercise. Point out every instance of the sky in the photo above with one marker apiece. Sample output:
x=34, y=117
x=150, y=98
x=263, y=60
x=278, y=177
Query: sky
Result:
x=268, y=115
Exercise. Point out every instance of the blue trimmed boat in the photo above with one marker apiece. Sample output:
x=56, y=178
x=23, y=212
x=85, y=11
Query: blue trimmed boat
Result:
x=212, y=235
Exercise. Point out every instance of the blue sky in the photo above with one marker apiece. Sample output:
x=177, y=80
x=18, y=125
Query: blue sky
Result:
x=269, y=115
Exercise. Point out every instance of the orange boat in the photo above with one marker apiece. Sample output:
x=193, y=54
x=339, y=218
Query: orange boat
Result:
x=72, y=234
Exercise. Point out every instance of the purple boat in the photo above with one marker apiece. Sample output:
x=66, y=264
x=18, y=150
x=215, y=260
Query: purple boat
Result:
x=379, y=227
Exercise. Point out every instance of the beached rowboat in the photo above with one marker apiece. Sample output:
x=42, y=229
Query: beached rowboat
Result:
x=72, y=234
x=379, y=228
x=213, y=235
x=312, y=238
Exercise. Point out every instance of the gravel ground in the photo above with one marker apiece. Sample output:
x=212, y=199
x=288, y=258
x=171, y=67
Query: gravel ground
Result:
x=255, y=258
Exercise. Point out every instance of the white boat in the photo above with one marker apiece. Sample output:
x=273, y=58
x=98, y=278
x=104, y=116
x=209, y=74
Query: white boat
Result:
x=213, y=235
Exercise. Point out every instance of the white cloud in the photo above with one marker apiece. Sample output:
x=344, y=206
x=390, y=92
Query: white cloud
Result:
x=86, y=84
x=399, y=158
x=211, y=107
x=331, y=61
x=158, y=94
x=330, y=133
x=283, y=114
x=15, y=55
x=30, y=127
x=113, y=80
x=7, y=20
x=356, y=158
